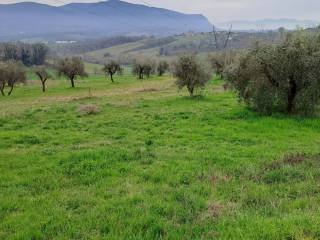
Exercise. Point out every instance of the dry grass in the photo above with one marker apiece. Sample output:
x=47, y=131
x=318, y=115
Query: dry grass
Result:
x=88, y=109
x=289, y=159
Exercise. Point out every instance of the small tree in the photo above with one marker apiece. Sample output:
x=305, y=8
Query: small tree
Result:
x=142, y=67
x=43, y=76
x=71, y=68
x=285, y=77
x=163, y=66
x=190, y=73
x=111, y=68
x=2, y=78
x=11, y=73
x=149, y=69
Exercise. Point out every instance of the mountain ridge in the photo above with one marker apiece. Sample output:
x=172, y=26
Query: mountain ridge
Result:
x=268, y=24
x=83, y=20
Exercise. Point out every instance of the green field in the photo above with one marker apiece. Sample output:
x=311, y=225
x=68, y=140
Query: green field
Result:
x=152, y=163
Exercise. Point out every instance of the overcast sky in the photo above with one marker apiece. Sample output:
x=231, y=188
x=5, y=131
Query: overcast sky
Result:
x=225, y=10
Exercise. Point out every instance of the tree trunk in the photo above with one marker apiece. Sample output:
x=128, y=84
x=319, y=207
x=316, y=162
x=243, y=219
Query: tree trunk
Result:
x=190, y=89
x=292, y=92
x=72, y=82
x=11, y=89
x=2, y=89
x=111, y=77
x=141, y=74
x=43, y=86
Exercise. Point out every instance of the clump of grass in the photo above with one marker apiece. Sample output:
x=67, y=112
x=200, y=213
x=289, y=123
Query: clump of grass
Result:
x=88, y=109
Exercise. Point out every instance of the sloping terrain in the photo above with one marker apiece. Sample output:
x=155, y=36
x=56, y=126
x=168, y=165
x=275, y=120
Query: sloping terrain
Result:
x=170, y=47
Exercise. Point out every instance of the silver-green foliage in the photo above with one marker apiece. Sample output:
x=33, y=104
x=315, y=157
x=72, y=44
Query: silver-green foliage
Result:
x=284, y=77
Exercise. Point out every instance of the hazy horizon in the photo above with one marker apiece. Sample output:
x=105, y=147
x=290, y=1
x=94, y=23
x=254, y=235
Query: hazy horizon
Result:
x=227, y=10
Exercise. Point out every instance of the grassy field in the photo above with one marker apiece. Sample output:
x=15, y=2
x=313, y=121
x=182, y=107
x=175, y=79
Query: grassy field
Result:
x=152, y=163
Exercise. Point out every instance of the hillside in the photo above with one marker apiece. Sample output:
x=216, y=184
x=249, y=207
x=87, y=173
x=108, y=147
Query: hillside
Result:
x=78, y=21
x=170, y=47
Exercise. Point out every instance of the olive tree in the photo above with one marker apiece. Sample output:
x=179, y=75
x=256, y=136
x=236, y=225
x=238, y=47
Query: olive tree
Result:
x=284, y=77
x=43, y=76
x=221, y=60
x=111, y=68
x=2, y=78
x=191, y=73
x=142, y=67
x=149, y=69
x=11, y=73
x=163, y=66
x=71, y=68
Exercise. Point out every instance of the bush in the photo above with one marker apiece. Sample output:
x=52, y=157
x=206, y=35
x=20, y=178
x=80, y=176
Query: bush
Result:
x=284, y=77
x=191, y=73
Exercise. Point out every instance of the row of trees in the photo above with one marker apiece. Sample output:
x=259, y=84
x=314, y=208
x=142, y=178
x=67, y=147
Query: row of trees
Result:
x=140, y=68
x=188, y=70
x=146, y=67
x=28, y=54
x=283, y=77
x=12, y=73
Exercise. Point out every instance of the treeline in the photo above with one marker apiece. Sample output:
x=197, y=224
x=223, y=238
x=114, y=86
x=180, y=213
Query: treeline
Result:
x=27, y=54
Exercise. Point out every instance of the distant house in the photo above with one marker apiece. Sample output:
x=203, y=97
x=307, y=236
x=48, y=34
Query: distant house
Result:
x=189, y=34
x=65, y=42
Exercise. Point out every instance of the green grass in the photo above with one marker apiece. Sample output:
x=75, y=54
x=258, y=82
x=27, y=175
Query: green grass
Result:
x=153, y=164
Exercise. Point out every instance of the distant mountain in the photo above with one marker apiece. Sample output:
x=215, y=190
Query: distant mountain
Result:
x=91, y=20
x=269, y=24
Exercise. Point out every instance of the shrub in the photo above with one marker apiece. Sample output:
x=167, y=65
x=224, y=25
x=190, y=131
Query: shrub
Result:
x=190, y=73
x=284, y=77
